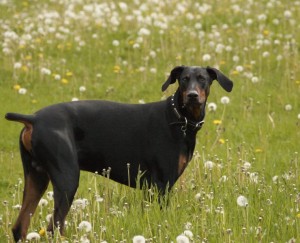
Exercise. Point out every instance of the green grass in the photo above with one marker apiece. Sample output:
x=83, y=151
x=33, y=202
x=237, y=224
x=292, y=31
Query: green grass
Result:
x=76, y=45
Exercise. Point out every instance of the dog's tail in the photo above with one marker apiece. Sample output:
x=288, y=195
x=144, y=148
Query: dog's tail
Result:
x=25, y=119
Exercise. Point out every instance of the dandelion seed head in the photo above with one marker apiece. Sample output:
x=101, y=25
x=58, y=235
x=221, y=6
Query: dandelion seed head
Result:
x=138, y=239
x=82, y=89
x=43, y=202
x=225, y=100
x=288, y=107
x=212, y=106
x=33, y=236
x=85, y=226
x=182, y=239
x=242, y=201
x=115, y=43
x=206, y=57
x=22, y=91
x=209, y=164
x=287, y=14
x=189, y=234
x=254, y=79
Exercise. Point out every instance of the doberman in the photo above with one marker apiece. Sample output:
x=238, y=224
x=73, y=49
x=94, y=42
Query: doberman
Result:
x=157, y=139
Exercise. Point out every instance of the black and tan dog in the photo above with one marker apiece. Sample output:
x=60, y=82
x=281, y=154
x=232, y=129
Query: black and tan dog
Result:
x=157, y=139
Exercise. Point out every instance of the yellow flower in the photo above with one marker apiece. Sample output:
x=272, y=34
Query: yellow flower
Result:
x=297, y=82
x=117, y=69
x=178, y=57
x=42, y=232
x=235, y=72
x=221, y=141
x=17, y=87
x=69, y=74
x=24, y=68
x=258, y=150
x=266, y=32
x=217, y=122
x=64, y=81
x=34, y=101
x=28, y=58
x=298, y=215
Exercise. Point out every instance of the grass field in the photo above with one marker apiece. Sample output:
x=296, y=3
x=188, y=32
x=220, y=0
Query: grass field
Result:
x=62, y=50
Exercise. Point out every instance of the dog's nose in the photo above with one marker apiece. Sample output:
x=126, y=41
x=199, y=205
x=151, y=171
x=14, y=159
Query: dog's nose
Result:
x=192, y=94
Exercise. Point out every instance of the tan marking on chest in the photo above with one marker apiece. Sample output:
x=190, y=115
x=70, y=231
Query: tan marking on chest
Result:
x=182, y=163
x=26, y=136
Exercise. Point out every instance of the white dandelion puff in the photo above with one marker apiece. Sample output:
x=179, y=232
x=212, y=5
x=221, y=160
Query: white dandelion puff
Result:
x=212, y=106
x=182, y=239
x=242, y=201
x=84, y=239
x=82, y=89
x=288, y=107
x=50, y=195
x=22, y=91
x=34, y=236
x=225, y=100
x=43, y=202
x=189, y=234
x=209, y=164
x=206, y=57
x=85, y=226
x=138, y=239
x=115, y=43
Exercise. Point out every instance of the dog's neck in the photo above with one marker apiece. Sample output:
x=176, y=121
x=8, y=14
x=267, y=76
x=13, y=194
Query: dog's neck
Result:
x=189, y=123
x=194, y=113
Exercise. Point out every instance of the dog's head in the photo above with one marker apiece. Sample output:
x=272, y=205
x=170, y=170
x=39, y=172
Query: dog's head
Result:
x=194, y=84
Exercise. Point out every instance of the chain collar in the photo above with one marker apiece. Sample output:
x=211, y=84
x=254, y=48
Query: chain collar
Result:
x=186, y=124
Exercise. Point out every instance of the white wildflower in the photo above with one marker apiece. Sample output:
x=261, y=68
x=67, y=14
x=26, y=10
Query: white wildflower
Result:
x=82, y=88
x=17, y=65
x=43, y=202
x=198, y=196
x=287, y=14
x=298, y=116
x=189, y=234
x=209, y=164
x=84, y=239
x=50, y=195
x=288, y=107
x=225, y=100
x=115, y=43
x=45, y=71
x=22, y=91
x=239, y=68
x=182, y=239
x=138, y=239
x=254, y=79
x=144, y=31
x=33, y=236
x=206, y=57
x=80, y=203
x=247, y=165
x=17, y=206
x=212, y=106
x=242, y=201
x=85, y=226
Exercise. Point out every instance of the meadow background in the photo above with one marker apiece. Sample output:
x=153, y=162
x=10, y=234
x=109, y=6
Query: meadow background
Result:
x=63, y=50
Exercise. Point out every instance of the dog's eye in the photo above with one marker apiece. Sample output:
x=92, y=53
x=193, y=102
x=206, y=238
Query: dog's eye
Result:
x=185, y=79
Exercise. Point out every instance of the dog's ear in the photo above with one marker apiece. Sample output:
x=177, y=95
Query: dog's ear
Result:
x=225, y=82
x=174, y=75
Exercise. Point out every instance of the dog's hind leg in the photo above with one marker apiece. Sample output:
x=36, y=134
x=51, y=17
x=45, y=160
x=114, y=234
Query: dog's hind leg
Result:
x=65, y=184
x=36, y=183
x=64, y=174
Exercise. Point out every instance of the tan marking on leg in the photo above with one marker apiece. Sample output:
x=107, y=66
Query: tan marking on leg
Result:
x=26, y=136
